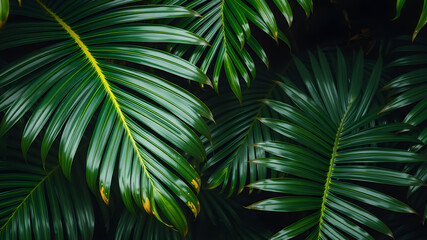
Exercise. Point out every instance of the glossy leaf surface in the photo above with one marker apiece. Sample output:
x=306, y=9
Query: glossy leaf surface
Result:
x=40, y=203
x=407, y=89
x=226, y=26
x=88, y=70
x=324, y=157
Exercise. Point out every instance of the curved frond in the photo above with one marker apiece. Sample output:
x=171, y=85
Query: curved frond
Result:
x=236, y=129
x=409, y=89
x=334, y=145
x=226, y=26
x=41, y=203
x=89, y=68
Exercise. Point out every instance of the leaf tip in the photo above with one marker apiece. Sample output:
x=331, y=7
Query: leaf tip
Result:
x=248, y=207
x=196, y=14
x=414, y=35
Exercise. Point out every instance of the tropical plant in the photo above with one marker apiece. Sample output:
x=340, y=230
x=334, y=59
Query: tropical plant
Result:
x=40, y=202
x=226, y=25
x=143, y=120
x=335, y=139
x=236, y=129
x=421, y=22
x=408, y=89
x=220, y=218
x=93, y=95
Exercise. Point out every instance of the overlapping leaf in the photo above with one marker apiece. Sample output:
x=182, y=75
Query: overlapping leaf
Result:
x=236, y=129
x=225, y=218
x=86, y=67
x=334, y=143
x=409, y=89
x=41, y=203
x=220, y=218
x=143, y=227
x=226, y=26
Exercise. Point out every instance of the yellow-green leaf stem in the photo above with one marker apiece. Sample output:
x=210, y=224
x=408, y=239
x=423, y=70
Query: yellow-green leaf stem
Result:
x=28, y=195
x=105, y=83
x=331, y=168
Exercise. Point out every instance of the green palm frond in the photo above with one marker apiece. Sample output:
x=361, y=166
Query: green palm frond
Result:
x=225, y=218
x=335, y=143
x=422, y=20
x=41, y=203
x=142, y=226
x=220, y=218
x=409, y=89
x=226, y=25
x=236, y=129
x=418, y=195
x=89, y=68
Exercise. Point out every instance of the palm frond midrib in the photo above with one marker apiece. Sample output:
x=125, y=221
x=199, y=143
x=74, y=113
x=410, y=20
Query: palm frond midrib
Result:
x=25, y=199
x=107, y=88
x=334, y=153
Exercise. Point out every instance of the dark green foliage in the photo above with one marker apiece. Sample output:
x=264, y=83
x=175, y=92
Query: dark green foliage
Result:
x=96, y=92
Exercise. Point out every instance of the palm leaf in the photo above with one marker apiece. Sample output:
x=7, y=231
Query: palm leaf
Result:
x=335, y=141
x=41, y=203
x=225, y=24
x=225, y=218
x=142, y=226
x=408, y=89
x=236, y=129
x=422, y=20
x=219, y=218
x=143, y=122
x=418, y=195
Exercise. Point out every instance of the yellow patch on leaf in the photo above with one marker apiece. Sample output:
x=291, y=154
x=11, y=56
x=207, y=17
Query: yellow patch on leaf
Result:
x=195, y=184
x=104, y=197
x=147, y=206
x=192, y=207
